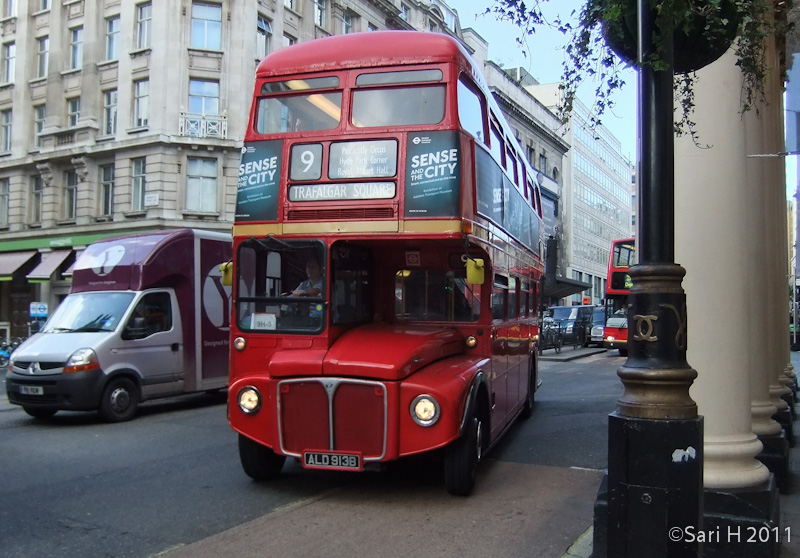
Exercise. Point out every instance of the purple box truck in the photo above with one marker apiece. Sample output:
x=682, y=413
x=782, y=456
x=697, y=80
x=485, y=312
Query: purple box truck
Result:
x=147, y=317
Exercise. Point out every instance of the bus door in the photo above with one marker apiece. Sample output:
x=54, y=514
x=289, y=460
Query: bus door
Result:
x=501, y=400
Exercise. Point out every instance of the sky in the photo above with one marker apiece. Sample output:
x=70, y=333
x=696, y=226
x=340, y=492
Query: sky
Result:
x=545, y=60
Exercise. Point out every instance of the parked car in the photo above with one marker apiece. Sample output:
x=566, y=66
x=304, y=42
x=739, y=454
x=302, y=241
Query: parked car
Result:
x=574, y=322
x=598, y=327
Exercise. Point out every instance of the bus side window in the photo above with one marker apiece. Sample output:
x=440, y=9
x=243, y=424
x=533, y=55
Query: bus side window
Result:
x=471, y=112
x=497, y=146
x=499, y=298
x=513, y=298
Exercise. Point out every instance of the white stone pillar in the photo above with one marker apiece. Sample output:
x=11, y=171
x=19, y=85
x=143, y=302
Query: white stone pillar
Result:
x=711, y=210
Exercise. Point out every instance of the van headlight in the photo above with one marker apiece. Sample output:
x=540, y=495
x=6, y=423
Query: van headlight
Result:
x=82, y=360
x=425, y=410
x=249, y=400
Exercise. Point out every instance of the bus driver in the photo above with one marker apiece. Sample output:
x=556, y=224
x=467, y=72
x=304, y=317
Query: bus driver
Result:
x=313, y=285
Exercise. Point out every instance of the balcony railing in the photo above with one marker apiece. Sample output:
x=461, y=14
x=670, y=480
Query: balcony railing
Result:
x=203, y=125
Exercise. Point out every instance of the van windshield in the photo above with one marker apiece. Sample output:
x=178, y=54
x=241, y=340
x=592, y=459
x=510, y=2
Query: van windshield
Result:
x=99, y=311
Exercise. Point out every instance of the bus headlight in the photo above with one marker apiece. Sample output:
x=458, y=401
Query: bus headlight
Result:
x=425, y=410
x=239, y=343
x=249, y=400
x=471, y=342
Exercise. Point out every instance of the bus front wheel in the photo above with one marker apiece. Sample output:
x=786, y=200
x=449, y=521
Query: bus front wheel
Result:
x=462, y=458
x=259, y=462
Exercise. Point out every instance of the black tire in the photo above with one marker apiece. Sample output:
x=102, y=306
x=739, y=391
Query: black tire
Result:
x=259, y=462
x=119, y=401
x=462, y=458
x=527, y=407
x=40, y=413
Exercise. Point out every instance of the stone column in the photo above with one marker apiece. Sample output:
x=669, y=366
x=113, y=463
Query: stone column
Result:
x=713, y=242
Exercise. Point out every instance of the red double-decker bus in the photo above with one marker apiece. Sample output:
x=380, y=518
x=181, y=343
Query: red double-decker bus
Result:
x=618, y=287
x=387, y=252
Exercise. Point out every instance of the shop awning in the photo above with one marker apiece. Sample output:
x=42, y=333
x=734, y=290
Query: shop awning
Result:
x=68, y=272
x=560, y=287
x=12, y=261
x=50, y=262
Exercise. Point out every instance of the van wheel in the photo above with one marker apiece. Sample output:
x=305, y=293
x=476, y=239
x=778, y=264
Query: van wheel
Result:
x=120, y=400
x=259, y=462
x=40, y=413
x=462, y=458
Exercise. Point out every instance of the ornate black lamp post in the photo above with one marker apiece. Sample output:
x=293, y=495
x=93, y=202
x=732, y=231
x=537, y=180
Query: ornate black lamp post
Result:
x=655, y=472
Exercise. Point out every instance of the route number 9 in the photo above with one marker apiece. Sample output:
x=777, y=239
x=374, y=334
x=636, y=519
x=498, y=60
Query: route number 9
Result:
x=306, y=161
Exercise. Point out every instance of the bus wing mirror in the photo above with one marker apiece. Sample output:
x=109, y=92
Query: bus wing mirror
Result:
x=475, y=271
x=227, y=273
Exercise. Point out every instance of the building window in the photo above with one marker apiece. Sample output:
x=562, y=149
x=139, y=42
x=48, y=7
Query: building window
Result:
x=206, y=26
x=37, y=185
x=144, y=16
x=9, y=8
x=288, y=40
x=44, y=5
x=42, y=56
x=263, y=36
x=319, y=12
x=204, y=97
x=138, y=183
x=110, y=112
x=347, y=23
x=73, y=111
x=5, y=122
x=76, y=48
x=371, y=27
x=9, y=57
x=39, y=114
x=4, y=182
x=106, y=190
x=71, y=195
x=291, y=4
x=404, y=9
x=543, y=163
x=141, y=98
x=201, y=185
x=112, y=38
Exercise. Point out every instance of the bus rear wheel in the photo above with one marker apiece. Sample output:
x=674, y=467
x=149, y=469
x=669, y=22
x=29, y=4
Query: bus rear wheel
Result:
x=259, y=462
x=462, y=458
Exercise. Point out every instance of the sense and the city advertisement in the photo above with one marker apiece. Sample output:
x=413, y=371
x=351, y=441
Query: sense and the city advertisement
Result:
x=433, y=175
x=259, y=178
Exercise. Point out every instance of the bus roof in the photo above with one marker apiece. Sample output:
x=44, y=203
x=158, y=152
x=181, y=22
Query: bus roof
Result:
x=359, y=50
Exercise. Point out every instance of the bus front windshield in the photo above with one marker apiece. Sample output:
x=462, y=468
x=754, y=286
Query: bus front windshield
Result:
x=435, y=295
x=281, y=285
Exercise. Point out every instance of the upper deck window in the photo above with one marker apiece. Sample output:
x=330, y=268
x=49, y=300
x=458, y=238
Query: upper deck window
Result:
x=398, y=106
x=470, y=111
x=299, y=112
x=411, y=76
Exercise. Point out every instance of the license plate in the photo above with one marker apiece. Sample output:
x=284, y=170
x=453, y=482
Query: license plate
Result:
x=31, y=390
x=329, y=460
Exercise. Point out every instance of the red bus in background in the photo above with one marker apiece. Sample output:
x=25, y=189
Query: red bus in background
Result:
x=387, y=255
x=618, y=287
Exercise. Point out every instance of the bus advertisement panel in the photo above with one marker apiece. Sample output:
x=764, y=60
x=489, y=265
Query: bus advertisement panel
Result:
x=387, y=259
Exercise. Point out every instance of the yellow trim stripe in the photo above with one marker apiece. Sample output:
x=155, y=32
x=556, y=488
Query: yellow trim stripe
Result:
x=331, y=227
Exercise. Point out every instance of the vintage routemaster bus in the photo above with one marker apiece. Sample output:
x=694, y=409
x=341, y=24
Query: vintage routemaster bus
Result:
x=387, y=252
x=618, y=287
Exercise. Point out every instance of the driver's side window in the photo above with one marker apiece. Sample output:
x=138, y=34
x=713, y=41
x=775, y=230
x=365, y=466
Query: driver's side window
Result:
x=153, y=314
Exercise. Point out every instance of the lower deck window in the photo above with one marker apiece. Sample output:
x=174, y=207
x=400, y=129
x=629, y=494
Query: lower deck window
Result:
x=435, y=295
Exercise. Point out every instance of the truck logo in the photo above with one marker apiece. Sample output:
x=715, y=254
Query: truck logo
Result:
x=217, y=299
x=105, y=262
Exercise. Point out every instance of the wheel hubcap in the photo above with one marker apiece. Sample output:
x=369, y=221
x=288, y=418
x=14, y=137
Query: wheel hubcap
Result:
x=120, y=400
